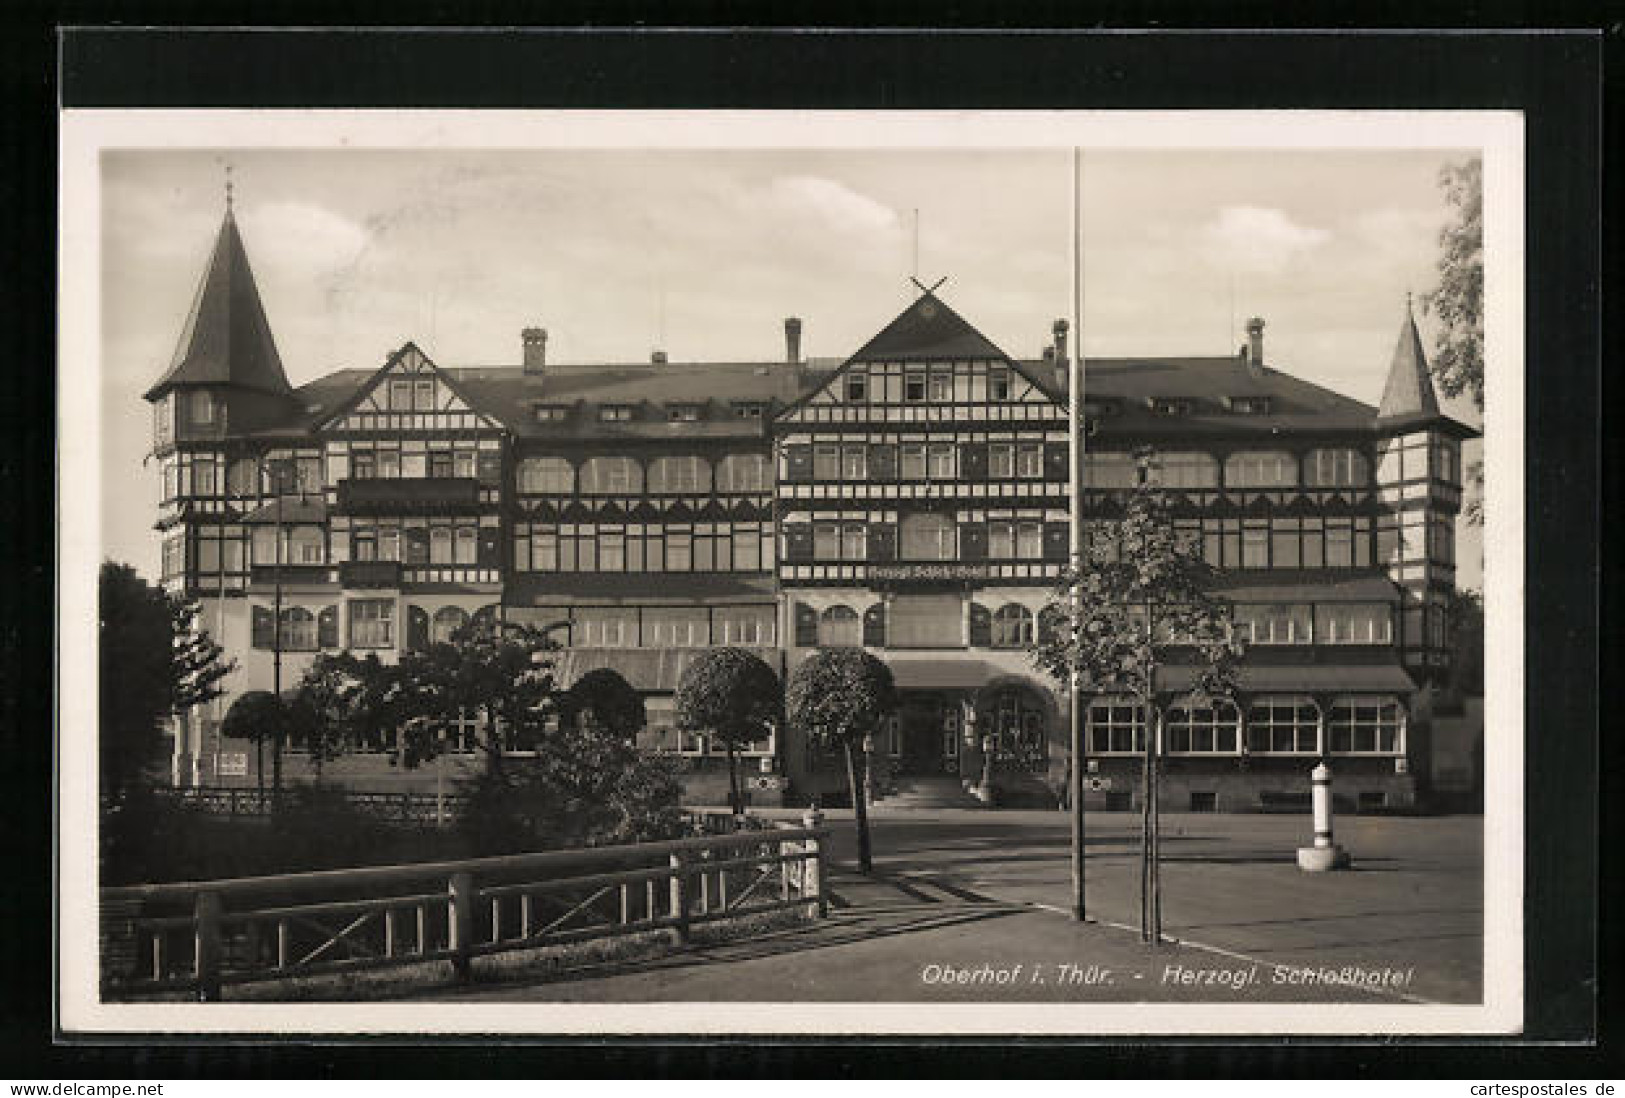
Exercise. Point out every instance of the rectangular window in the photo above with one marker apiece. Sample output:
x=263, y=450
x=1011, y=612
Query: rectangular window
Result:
x=440, y=464
x=389, y=463
x=925, y=621
x=612, y=552
x=1339, y=544
x=372, y=623
x=826, y=541
x=679, y=552
x=389, y=544
x=854, y=542
x=606, y=628
x=1001, y=460
x=1001, y=540
x=747, y=549
x=940, y=461
x=417, y=545
x=362, y=465
x=1354, y=623
x=1029, y=540
x=400, y=396
x=202, y=409
x=941, y=386
x=998, y=384
x=743, y=625
x=203, y=478
x=855, y=462
x=544, y=551
x=1030, y=459
x=423, y=395
x=1255, y=546
x=914, y=387
x=676, y=629
x=826, y=462
x=913, y=462
x=1279, y=623
x=468, y=545
x=1314, y=543
x=1284, y=543
x=857, y=387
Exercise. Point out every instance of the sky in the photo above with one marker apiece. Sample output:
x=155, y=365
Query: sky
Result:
x=703, y=253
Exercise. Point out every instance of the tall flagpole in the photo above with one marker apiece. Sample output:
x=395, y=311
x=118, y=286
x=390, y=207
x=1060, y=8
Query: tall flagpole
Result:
x=1076, y=426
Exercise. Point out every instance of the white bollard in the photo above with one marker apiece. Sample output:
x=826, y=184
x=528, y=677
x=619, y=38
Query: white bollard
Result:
x=1324, y=854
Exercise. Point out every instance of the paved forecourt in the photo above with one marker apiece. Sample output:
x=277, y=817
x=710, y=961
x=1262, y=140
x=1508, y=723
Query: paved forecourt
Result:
x=970, y=906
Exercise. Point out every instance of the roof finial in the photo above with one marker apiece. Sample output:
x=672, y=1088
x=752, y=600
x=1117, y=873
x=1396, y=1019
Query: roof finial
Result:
x=1408, y=310
x=228, y=186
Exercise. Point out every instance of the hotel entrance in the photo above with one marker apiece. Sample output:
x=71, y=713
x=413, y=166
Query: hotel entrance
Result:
x=928, y=727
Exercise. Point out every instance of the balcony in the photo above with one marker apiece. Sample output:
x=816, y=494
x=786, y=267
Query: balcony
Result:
x=414, y=495
x=290, y=575
x=361, y=574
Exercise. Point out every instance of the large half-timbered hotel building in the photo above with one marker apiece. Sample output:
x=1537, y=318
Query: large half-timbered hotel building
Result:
x=911, y=498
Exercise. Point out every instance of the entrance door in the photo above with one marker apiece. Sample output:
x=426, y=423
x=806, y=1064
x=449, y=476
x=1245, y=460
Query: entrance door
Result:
x=922, y=726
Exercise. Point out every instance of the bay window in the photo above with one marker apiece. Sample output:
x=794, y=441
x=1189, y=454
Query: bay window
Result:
x=1354, y=623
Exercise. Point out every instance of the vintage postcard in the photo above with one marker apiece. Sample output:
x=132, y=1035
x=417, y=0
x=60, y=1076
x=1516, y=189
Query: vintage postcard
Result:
x=776, y=573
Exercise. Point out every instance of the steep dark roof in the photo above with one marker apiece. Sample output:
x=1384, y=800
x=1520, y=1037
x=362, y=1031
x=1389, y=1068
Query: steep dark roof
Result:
x=928, y=330
x=1409, y=391
x=1209, y=385
x=226, y=340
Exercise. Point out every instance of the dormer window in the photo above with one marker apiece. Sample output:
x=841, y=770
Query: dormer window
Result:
x=683, y=413
x=1169, y=406
x=552, y=413
x=615, y=413
x=747, y=410
x=1248, y=405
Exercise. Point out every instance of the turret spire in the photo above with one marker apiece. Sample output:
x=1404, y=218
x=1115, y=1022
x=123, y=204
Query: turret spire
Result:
x=227, y=340
x=1409, y=392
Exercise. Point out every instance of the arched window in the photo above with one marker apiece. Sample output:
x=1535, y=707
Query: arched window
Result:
x=1283, y=724
x=298, y=629
x=929, y=537
x=686, y=475
x=1185, y=469
x=611, y=476
x=1210, y=729
x=546, y=474
x=447, y=620
x=1012, y=626
x=1366, y=726
x=1116, y=727
x=1336, y=467
x=840, y=627
x=1260, y=469
x=744, y=473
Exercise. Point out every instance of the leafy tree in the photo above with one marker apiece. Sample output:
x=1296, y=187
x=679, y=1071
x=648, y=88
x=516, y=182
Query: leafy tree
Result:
x=259, y=717
x=1467, y=644
x=329, y=709
x=154, y=662
x=1457, y=303
x=499, y=672
x=1144, y=603
x=838, y=696
x=736, y=696
x=604, y=697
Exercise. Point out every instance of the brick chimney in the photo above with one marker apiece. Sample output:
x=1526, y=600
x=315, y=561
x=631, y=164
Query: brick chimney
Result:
x=792, y=339
x=535, y=340
x=1060, y=330
x=1255, y=346
x=658, y=358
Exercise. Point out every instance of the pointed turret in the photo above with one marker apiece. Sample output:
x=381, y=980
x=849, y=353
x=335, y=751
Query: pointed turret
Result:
x=227, y=341
x=1409, y=393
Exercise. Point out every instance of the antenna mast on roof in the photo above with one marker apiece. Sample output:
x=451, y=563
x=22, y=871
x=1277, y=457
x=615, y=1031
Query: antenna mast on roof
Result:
x=915, y=273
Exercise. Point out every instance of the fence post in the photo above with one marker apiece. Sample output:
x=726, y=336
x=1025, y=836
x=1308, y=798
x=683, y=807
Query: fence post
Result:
x=812, y=868
x=461, y=931
x=206, y=968
x=679, y=896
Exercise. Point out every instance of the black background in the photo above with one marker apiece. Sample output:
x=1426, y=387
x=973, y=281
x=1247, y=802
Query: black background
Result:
x=1556, y=79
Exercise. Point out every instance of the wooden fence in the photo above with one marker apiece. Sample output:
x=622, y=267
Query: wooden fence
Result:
x=199, y=936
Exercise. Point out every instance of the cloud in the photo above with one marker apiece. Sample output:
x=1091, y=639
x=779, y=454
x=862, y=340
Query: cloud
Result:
x=305, y=237
x=1258, y=238
x=840, y=206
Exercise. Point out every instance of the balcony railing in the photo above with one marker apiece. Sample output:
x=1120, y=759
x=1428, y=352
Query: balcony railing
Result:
x=391, y=495
x=266, y=575
x=370, y=573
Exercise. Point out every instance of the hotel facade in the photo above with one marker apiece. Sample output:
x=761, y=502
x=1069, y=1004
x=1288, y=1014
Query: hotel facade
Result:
x=911, y=498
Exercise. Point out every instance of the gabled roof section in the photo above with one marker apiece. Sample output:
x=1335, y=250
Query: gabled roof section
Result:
x=409, y=359
x=928, y=330
x=1409, y=391
x=226, y=340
